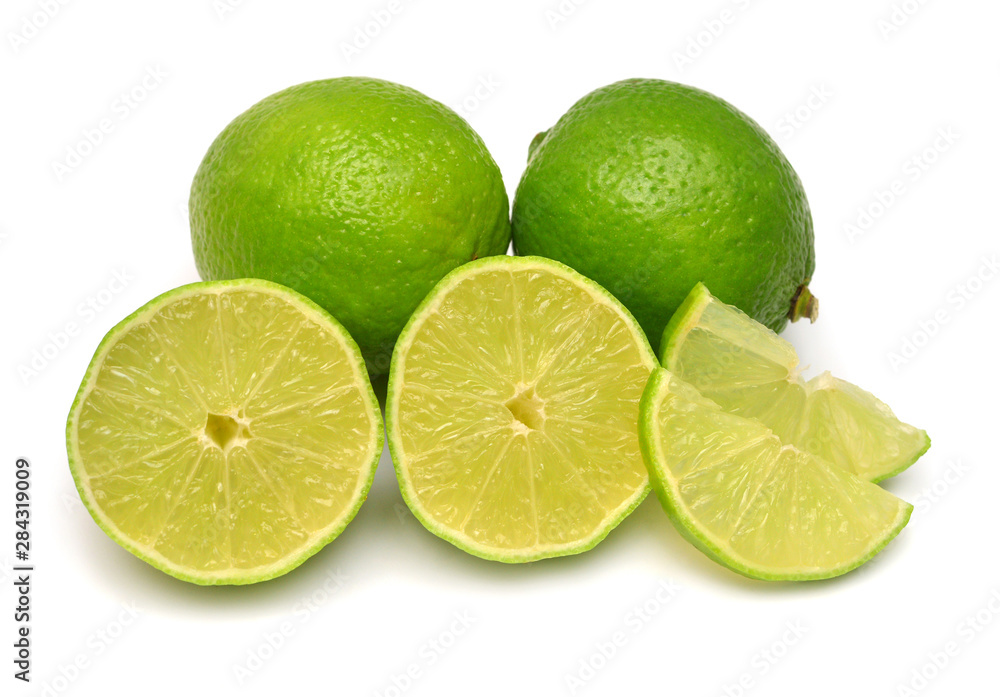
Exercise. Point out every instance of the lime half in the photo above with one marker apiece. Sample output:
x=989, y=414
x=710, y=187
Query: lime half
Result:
x=754, y=504
x=748, y=370
x=225, y=432
x=512, y=410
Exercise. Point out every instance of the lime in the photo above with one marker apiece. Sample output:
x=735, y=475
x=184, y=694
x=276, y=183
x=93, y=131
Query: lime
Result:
x=512, y=409
x=748, y=370
x=649, y=187
x=359, y=193
x=749, y=501
x=225, y=432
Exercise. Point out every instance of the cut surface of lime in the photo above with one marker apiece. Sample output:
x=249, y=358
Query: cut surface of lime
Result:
x=512, y=409
x=763, y=508
x=750, y=371
x=225, y=432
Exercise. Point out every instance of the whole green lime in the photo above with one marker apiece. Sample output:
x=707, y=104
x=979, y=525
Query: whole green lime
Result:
x=359, y=193
x=649, y=187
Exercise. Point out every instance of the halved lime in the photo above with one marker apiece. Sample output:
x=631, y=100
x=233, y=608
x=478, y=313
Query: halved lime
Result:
x=512, y=408
x=763, y=508
x=225, y=432
x=748, y=370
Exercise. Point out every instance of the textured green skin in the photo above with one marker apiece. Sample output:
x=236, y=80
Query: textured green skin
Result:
x=234, y=578
x=359, y=193
x=649, y=187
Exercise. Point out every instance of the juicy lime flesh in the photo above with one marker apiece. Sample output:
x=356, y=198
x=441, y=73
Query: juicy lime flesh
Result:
x=225, y=433
x=649, y=186
x=748, y=370
x=757, y=505
x=512, y=411
x=359, y=193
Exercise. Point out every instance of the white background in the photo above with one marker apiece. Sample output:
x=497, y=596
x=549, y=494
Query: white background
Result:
x=887, y=91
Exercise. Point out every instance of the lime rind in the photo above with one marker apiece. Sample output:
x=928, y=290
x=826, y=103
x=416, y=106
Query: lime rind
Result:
x=681, y=322
x=230, y=576
x=689, y=527
x=395, y=391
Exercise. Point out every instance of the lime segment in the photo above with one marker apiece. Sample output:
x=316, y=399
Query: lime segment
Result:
x=512, y=409
x=754, y=504
x=225, y=432
x=750, y=371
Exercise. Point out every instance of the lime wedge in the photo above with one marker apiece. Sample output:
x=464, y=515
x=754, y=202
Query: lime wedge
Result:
x=763, y=508
x=749, y=370
x=225, y=432
x=512, y=407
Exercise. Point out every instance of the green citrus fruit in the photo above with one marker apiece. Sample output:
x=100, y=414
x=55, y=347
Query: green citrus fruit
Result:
x=512, y=410
x=649, y=187
x=751, y=502
x=748, y=370
x=359, y=193
x=225, y=432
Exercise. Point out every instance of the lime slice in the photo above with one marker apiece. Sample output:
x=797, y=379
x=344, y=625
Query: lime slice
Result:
x=754, y=504
x=512, y=408
x=225, y=432
x=749, y=370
